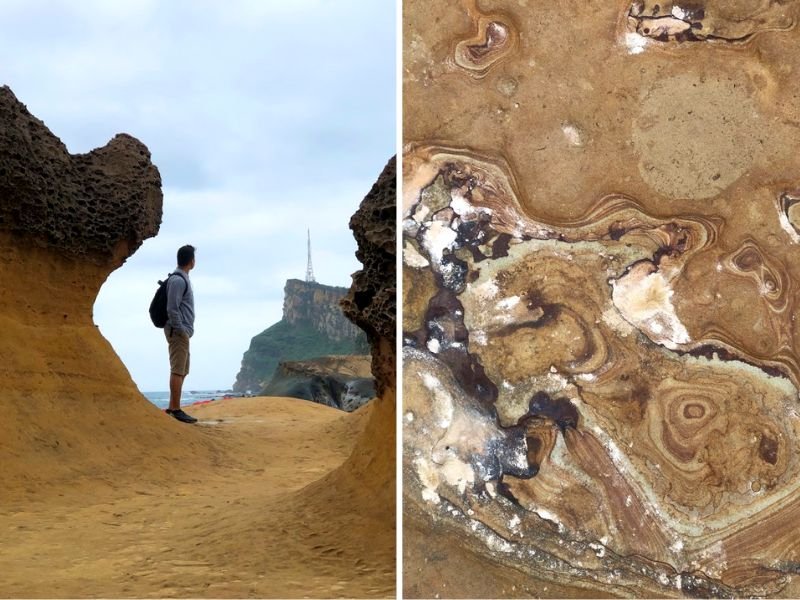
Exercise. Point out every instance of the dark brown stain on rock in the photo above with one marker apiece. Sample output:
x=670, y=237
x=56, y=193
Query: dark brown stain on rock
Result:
x=559, y=410
x=768, y=449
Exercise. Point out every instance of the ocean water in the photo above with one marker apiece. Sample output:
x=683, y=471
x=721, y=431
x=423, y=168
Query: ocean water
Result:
x=161, y=399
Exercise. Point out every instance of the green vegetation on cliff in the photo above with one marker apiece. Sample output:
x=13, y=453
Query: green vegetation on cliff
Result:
x=285, y=341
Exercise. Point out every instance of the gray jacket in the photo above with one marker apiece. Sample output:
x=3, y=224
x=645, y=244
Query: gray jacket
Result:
x=180, y=303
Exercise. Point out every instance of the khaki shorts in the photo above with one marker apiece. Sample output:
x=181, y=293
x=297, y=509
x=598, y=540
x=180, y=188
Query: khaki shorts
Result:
x=178, y=351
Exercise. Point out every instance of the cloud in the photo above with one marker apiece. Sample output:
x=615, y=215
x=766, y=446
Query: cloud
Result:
x=265, y=118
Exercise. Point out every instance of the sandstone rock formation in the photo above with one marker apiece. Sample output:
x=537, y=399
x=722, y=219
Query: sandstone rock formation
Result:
x=356, y=502
x=371, y=304
x=372, y=300
x=66, y=222
x=99, y=206
x=313, y=325
x=601, y=364
x=367, y=477
x=343, y=382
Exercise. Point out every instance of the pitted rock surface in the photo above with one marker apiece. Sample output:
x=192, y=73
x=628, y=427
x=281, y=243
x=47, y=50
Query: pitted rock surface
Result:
x=371, y=303
x=101, y=205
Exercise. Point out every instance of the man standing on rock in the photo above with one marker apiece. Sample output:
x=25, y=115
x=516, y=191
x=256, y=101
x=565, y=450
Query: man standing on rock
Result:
x=179, y=328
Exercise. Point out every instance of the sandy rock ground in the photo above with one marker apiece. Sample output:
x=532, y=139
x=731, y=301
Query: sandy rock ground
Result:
x=276, y=512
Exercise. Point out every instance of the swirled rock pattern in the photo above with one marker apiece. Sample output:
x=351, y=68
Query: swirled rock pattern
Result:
x=709, y=20
x=601, y=364
x=493, y=41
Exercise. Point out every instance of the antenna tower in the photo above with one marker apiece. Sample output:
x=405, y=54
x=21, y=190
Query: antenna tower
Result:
x=309, y=268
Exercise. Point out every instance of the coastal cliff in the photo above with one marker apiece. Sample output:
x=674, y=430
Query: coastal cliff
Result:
x=313, y=325
x=318, y=305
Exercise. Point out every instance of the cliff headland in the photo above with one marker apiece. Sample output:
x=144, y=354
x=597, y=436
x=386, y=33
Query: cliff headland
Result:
x=313, y=325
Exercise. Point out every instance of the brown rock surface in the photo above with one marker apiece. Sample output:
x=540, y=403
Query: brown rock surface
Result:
x=339, y=381
x=261, y=521
x=371, y=304
x=372, y=301
x=352, y=366
x=600, y=254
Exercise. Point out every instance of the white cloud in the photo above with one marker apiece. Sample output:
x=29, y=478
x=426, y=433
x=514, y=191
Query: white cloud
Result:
x=264, y=118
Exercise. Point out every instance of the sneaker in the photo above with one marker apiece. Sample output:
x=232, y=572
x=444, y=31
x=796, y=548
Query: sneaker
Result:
x=181, y=416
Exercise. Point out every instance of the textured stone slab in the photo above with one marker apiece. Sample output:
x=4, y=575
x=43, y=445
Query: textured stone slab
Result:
x=600, y=264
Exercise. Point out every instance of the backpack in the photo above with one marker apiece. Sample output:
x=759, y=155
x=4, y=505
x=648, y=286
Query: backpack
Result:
x=158, y=306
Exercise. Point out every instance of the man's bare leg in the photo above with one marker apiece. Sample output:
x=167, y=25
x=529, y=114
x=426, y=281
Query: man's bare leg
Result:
x=175, y=387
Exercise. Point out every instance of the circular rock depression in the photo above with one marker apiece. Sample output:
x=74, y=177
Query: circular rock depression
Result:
x=695, y=136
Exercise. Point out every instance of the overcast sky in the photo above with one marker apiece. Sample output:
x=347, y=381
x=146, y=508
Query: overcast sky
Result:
x=265, y=117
